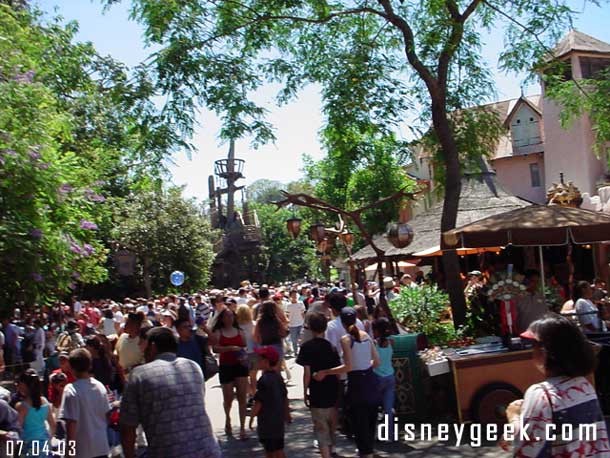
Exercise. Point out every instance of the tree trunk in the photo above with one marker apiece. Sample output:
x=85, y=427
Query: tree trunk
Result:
x=453, y=187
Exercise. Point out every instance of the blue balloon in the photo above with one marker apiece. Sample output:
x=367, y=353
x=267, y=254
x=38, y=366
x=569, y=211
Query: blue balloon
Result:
x=176, y=278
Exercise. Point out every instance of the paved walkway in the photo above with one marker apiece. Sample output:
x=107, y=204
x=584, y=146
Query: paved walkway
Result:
x=299, y=434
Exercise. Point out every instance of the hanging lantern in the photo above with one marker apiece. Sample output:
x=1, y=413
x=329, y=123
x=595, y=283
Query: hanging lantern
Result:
x=347, y=237
x=400, y=234
x=317, y=232
x=294, y=226
x=323, y=245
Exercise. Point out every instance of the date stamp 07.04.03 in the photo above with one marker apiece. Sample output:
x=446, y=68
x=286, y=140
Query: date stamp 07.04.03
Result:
x=17, y=448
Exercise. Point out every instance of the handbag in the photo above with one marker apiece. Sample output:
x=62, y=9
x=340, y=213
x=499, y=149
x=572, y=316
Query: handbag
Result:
x=210, y=366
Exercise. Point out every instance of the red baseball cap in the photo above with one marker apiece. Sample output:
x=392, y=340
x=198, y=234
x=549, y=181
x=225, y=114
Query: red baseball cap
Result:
x=528, y=335
x=269, y=353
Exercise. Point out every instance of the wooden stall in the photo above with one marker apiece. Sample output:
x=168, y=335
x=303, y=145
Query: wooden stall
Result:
x=486, y=383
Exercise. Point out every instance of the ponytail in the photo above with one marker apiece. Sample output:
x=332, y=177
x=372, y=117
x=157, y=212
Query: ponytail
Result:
x=354, y=332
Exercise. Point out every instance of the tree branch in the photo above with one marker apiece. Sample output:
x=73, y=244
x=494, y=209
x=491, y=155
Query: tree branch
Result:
x=268, y=17
x=409, y=39
x=457, y=32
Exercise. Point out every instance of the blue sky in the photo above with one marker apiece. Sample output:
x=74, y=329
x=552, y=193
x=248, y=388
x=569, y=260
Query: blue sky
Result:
x=297, y=124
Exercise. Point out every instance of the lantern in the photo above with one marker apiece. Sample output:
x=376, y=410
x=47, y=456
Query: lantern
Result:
x=400, y=234
x=317, y=232
x=347, y=237
x=323, y=245
x=294, y=226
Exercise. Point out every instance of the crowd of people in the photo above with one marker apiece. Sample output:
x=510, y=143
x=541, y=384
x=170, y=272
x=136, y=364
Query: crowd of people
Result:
x=97, y=374
x=100, y=373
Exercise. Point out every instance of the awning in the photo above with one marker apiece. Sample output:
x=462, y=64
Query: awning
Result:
x=401, y=265
x=436, y=251
x=536, y=225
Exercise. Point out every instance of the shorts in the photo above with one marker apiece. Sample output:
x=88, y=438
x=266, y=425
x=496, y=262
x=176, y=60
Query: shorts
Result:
x=272, y=445
x=228, y=373
x=252, y=361
x=323, y=420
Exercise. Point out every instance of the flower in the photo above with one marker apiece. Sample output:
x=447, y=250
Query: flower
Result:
x=88, y=225
x=76, y=275
x=9, y=152
x=93, y=196
x=34, y=155
x=75, y=248
x=44, y=165
x=27, y=77
x=36, y=234
x=88, y=249
x=72, y=285
x=65, y=188
x=36, y=277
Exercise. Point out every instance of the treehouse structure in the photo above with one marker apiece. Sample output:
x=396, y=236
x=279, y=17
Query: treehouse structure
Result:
x=237, y=252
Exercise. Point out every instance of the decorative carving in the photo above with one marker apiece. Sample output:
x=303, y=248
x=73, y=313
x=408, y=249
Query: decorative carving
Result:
x=566, y=195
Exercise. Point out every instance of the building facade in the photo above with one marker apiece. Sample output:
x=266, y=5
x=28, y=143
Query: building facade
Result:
x=536, y=150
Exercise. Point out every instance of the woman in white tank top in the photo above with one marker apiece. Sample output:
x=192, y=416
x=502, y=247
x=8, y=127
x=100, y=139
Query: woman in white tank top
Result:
x=360, y=357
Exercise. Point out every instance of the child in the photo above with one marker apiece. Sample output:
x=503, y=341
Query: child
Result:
x=321, y=397
x=385, y=371
x=270, y=399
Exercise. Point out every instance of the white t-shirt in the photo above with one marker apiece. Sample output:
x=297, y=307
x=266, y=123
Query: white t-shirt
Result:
x=78, y=307
x=85, y=401
x=586, y=306
x=295, y=313
x=118, y=316
x=335, y=331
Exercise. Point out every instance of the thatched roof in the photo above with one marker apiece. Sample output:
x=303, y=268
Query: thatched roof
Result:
x=480, y=198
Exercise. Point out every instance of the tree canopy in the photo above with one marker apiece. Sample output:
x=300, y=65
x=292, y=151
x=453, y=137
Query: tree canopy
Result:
x=375, y=61
x=76, y=129
x=166, y=232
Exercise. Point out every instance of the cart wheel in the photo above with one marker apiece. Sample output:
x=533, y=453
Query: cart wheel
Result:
x=489, y=403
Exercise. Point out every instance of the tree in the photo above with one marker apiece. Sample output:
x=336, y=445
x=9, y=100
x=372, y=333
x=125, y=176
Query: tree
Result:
x=167, y=232
x=217, y=52
x=49, y=199
x=75, y=129
x=264, y=191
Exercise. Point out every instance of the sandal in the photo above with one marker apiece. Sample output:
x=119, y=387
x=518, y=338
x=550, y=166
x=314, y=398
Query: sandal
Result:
x=228, y=430
x=242, y=435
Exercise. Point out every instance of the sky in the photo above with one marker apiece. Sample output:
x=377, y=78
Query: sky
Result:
x=296, y=124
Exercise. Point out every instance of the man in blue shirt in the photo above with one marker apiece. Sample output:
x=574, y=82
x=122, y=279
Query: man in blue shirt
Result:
x=190, y=345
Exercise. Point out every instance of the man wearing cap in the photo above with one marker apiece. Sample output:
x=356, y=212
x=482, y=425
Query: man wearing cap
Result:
x=270, y=403
x=388, y=285
x=407, y=280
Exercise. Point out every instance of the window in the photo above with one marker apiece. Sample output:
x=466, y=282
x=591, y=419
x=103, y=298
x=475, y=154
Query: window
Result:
x=535, y=175
x=592, y=68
